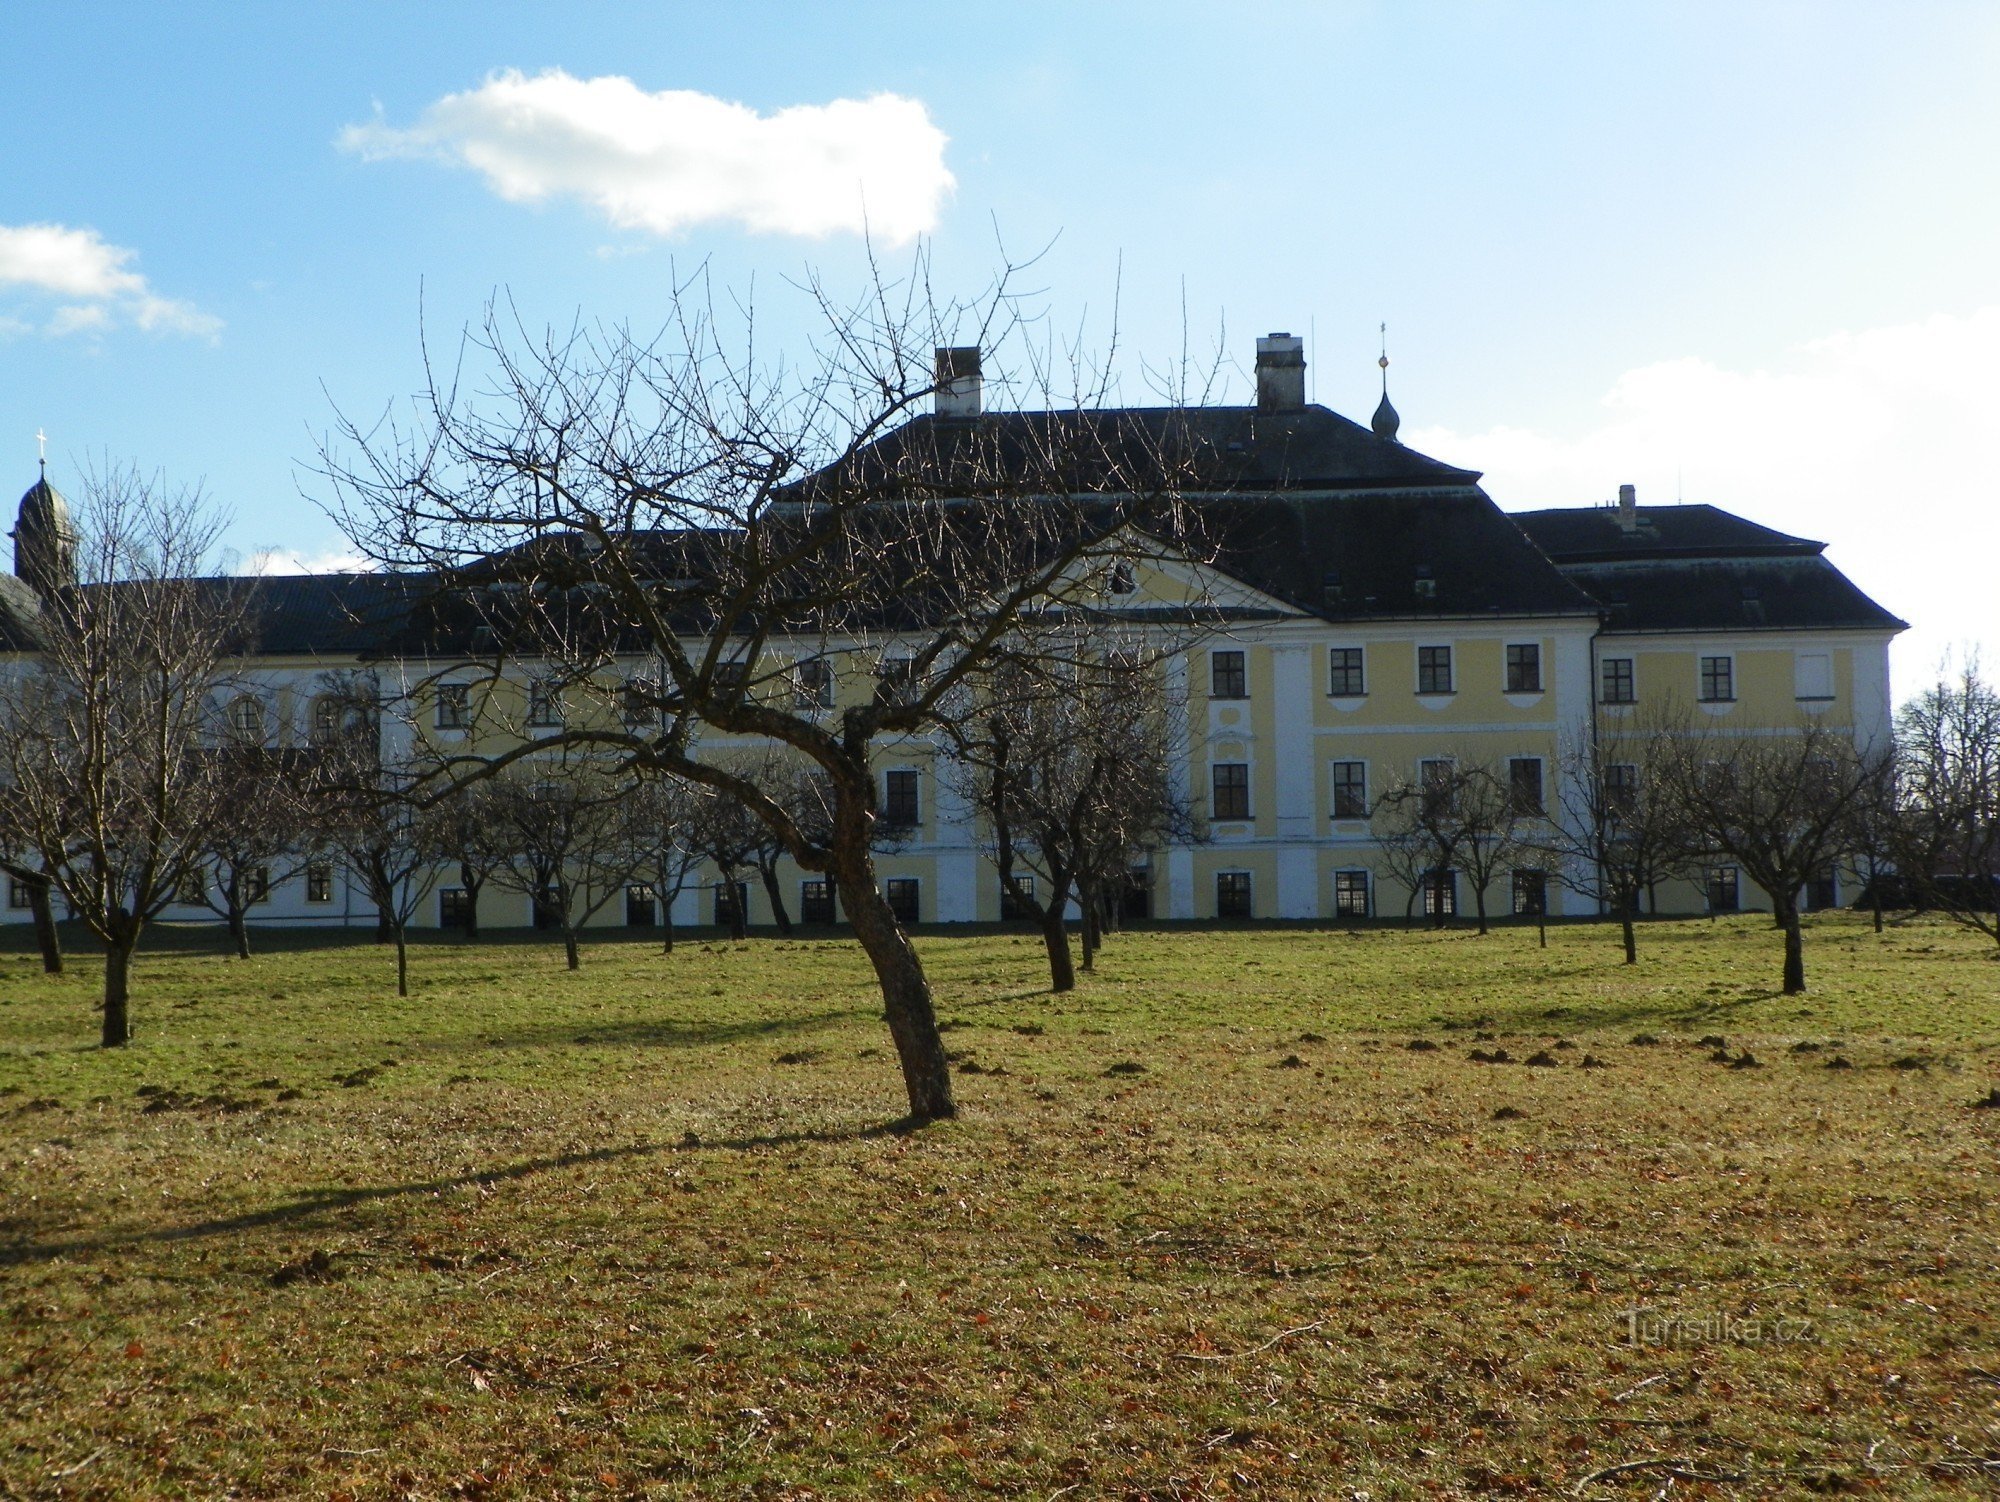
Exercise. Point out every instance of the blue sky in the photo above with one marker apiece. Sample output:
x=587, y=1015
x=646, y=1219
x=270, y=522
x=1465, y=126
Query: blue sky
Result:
x=1744, y=253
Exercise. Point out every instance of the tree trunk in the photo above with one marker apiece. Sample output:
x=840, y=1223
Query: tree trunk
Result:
x=1055, y=939
x=1542, y=921
x=1479, y=906
x=239, y=930
x=118, y=992
x=471, y=900
x=667, y=924
x=1629, y=934
x=777, y=896
x=402, y=959
x=1093, y=933
x=906, y=992
x=571, y=955
x=47, y=935
x=738, y=930
x=1795, y=950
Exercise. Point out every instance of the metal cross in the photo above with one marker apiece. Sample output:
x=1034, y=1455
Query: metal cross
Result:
x=42, y=443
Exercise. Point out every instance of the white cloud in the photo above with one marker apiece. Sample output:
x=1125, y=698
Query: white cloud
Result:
x=1877, y=443
x=266, y=562
x=663, y=162
x=92, y=281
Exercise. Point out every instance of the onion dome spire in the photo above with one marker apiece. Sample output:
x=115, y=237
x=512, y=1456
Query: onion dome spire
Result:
x=1385, y=422
x=44, y=536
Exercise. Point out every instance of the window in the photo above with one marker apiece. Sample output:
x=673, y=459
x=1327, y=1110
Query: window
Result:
x=899, y=678
x=1347, y=680
x=1350, y=790
x=1436, y=780
x=1121, y=580
x=1718, y=680
x=899, y=798
x=1724, y=895
x=1232, y=894
x=1012, y=908
x=1135, y=898
x=1524, y=784
x=1227, y=676
x=732, y=903
x=256, y=885
x=1350, y=894
x=1812, y=675
x=902, y=894
x=1822, y=892
x=319, y=881
x=454, y=707
x=1531, y=893
x=730, y=678
x=1524, y=668
x=325, y=726
x=545, y=705
x=192, y=889
x=1441, y=893
x=812, y=683
x=246, y=719
x=1621, y=788
x=1615, y=681
x=1231, y=780
x=547, y=908
x=19, y=893
x=454, y=911
x=639, y=702
x=816, y=901
x=640, y=911
x=1433, y=670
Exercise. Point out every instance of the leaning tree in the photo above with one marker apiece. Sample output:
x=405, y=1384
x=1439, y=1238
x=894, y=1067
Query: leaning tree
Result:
x=597, y=496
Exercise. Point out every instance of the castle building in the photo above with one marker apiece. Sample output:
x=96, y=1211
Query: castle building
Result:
x=1373, y=610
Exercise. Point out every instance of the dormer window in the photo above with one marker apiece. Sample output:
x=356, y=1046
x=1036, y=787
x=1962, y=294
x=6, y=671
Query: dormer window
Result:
x=1426, y=583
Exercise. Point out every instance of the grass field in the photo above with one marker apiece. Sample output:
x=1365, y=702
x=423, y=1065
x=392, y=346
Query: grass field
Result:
x=1243, y=1216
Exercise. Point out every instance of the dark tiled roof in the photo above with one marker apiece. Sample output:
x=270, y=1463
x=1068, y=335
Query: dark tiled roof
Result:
x=1587, y=533
x=20, y=616
x=1222, y=449
x=1699, y=568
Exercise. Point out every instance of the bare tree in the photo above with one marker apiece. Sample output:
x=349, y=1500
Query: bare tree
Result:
x=1618, y=830
x=18, y=865
x=110, y=732
x=1430, y=826
x=573, y=838
x=260, y=837
x=1946, y=836
x=1071, y=776
x=468, y=834
x=724, y=833
x=666, y=809
x=730, y=521
x=1780, y=806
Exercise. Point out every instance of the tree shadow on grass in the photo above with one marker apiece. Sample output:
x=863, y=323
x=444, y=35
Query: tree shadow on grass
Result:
x=307, y=1207
x=651, y=1032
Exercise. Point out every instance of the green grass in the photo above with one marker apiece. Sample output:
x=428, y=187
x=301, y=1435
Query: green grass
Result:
x=644, y=1231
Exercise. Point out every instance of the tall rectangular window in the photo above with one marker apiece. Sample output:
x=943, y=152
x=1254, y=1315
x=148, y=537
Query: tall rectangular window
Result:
x=454, y=706
x=256, y=885
x=1232, y=790
x=902, y=895
x=1433, y=670
x=1531, y=893
x=1012, y=908
x=640, y=909
x=1524, y=668
x=899, y=798
x=812, y=683
x=1350, y=894
x=319, y=881
x=1524, y=784
x=1435, y=780
x=732, y=903
x=1350, y=790
x=19, y=893
x=1228, y=678
x=1232, y=894
x=1616, y=684
x=816, y=900
x=545, y=704
x=1718, y=680
x=1621, y=788
x=1348, y=681
x=899, y=679
x=639, y=702
x=1441, y=893
x=1724, y=895
x=453, y=909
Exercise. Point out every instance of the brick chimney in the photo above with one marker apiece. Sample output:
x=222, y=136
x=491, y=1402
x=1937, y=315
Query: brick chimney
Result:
x=957, y=382
x=1281, y=373
x=1628, y=508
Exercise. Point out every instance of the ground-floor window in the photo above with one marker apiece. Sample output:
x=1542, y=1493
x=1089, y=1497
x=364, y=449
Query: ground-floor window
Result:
x=454, y=911
x=901, y=892
x=1822, y=892
x=732, y=903
x=1350, y=894
x=639, y=909
x=319, y=881
x=1724, y=894
x=1135, y=902
x=256, y=885
x=1012, y=908
x=548, y=908
x=816, y=901
x=1531, y=893
x=19, y=893
x=1232, y=894
x=192, y=889
x=1441, y=893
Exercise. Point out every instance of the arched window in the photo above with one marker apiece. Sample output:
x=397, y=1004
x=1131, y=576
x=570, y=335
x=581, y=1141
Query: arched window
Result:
x=326, y=718
x=246, y=718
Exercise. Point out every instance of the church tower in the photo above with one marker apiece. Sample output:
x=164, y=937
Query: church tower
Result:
x=45, y=539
